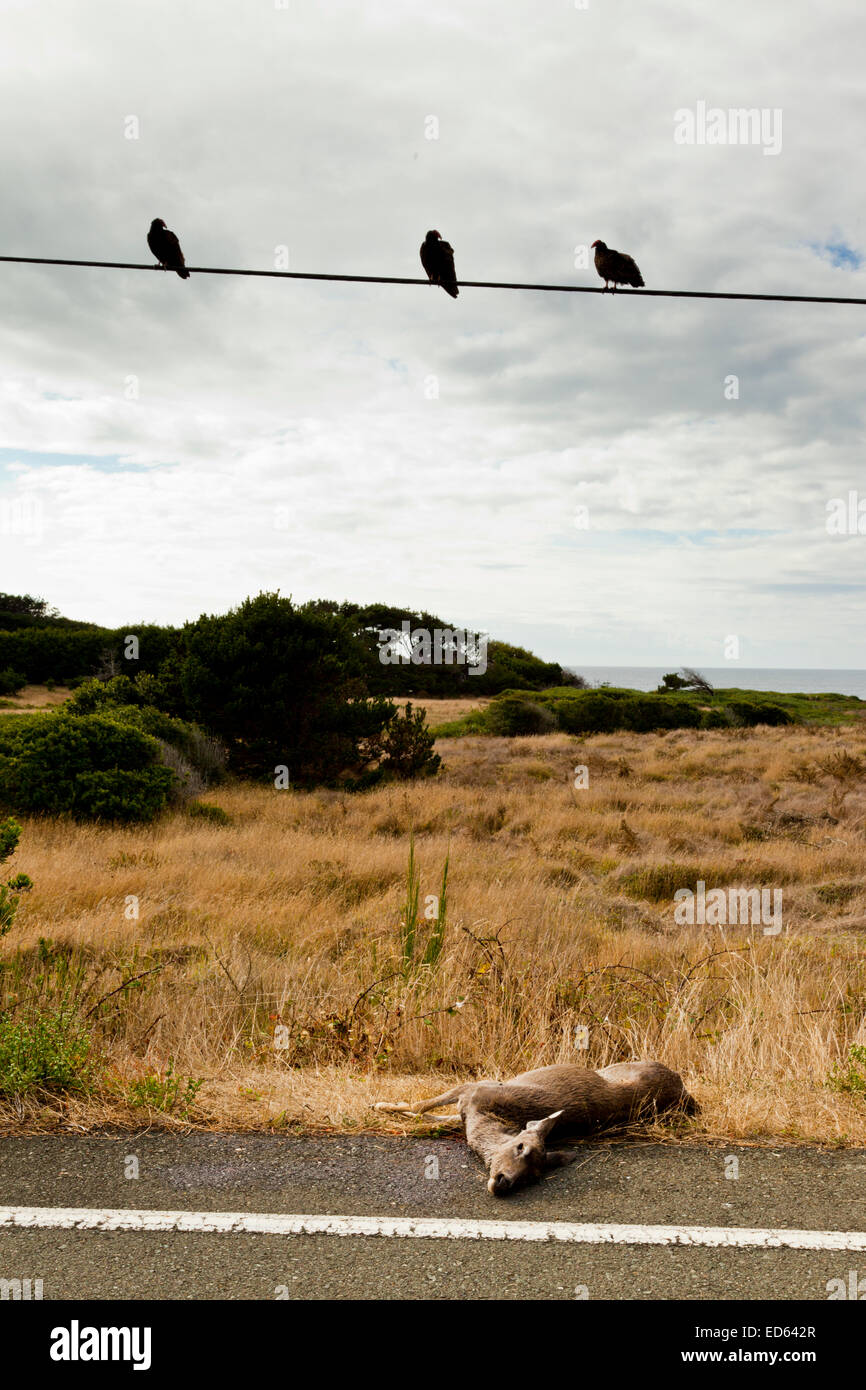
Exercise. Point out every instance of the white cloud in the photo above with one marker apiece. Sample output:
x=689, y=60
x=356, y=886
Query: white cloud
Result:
x=281, y=435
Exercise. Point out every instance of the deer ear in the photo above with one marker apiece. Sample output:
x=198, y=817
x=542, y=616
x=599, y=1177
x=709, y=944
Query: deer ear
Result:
x=543, y=1127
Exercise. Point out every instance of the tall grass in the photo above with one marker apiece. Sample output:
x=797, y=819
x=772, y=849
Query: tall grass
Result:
x=288, y=961
x=409, y=924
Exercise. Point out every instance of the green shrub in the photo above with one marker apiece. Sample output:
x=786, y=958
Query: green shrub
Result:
x=204, y=810
x=11, y=681
x=716, y=718
x=837, y=894
x=51, y=651
x=124, y=700
x=509, y=716
x=648, y=712
x=605, y=711
x=283, y=685
x=407, y=745
x=658, y=882
x=853, y=1078
x=92, y=767
x=43, y=1048
x=752, y=712
x=165, y=1091
x=472, y=723
x=11, y=890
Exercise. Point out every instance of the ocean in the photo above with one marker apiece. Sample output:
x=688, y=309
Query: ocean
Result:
x=788, y=680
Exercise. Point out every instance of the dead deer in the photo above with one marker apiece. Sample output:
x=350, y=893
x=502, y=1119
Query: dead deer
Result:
x=508, y=1123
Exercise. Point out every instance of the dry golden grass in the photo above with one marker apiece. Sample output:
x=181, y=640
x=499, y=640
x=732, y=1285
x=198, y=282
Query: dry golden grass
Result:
x=269, y=954
x=443, y=711
x=34, y=697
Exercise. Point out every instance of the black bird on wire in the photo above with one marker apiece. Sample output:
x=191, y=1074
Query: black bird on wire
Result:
x=616, y=266
x=437, y=258
x=166, y=247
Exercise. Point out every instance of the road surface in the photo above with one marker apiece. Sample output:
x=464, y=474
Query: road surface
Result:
x=645, y=1186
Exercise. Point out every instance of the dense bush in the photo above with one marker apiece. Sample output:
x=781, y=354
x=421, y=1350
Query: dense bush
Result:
x=510, y=716
x=123, y=698
x=46, y=648
x=407, y=746
x=754, y=712
x=206, y=811
x=506, y=666
x=11, y=681
x=52, y=653
x=604, y=711
x=89, y=766
x=608, y=711
x=43, y=1049
x=716, y=718
x=282, y=686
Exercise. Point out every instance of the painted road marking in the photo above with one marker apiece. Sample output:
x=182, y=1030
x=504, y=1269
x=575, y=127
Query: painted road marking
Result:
x=421, y=1228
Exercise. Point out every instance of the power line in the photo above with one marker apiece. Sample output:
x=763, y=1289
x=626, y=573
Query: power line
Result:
x=464, y=284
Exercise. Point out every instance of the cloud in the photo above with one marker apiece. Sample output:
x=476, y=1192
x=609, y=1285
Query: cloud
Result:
x=189, y=443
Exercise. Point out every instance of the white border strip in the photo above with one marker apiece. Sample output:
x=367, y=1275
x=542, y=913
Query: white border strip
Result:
x=421, y=1228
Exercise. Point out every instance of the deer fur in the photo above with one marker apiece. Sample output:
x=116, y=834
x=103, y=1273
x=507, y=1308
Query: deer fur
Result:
x=508, y=1123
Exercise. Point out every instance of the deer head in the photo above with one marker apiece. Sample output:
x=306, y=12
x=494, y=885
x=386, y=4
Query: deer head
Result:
x=524, y=1157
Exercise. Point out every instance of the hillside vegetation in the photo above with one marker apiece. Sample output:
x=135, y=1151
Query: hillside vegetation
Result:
x=607, y=709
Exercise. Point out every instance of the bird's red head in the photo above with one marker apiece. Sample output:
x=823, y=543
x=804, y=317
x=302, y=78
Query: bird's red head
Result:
x=595, y=243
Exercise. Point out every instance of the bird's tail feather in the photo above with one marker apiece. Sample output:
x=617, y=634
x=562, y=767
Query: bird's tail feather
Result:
x=184, y=274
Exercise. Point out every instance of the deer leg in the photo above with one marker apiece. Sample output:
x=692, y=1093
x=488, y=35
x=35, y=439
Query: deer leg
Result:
x=447, y=1098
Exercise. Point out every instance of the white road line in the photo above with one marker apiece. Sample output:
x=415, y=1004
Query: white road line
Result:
x=423, y=1228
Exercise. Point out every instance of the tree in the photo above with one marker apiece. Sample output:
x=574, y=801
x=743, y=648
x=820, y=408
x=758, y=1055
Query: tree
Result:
x=408, y=746
x=696, y=681
x=282, y=686
x=27, y=605
x=689, y=680
x=673, y=681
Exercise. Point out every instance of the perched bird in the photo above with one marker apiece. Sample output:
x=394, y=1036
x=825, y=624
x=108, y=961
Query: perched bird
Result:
x=437, y=258
x=616, y=266
x=166, y=247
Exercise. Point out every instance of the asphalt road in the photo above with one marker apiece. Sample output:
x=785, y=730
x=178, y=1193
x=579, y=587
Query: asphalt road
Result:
x=645, y=1184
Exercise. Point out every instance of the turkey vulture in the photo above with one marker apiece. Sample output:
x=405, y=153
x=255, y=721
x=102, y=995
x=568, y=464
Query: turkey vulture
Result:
x=616, y=266
x=166, y=247
x=437, y=258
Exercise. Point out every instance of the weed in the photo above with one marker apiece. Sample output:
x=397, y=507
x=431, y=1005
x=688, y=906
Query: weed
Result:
x=43, y=1049
x=165, y=1091
x=853, y=1078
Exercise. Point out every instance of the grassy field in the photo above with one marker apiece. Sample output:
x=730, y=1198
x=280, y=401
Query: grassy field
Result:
x=33, y=697
x=287, y=969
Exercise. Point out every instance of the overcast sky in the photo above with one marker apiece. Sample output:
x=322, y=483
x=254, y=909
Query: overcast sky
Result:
x=170, y=447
